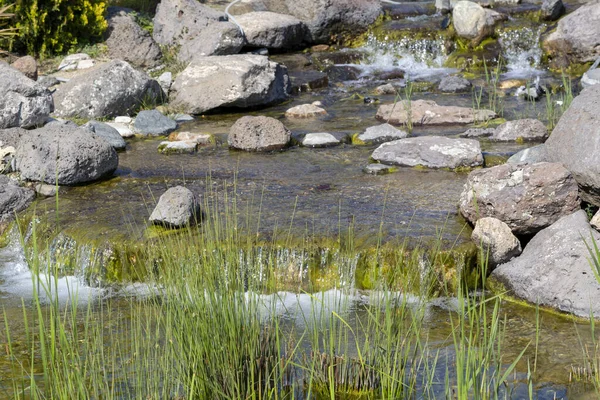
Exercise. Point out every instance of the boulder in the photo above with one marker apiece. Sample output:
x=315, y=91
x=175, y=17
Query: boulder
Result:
x=258, y=134
x=127, y=41
x=496, y=241
x=23, y=103
x=108, y=133
x=381, y=133
x=153, y=123
x=554, y=269
x=305, y=111
x=531, y=155
x=575, y=140
x=229, y=81
x=321, y=139
x=63, y=154
x=575, y=39
x=272, y=30
x=527, y=198
x=453, y=84
x=431, y=152
x=112, y=89
x=428, y=112
x=11, y=136
x=27, y=66
x=472, y=21
x=176, y=208
x=196, y=29
x=13, y=199
x=523, y=130
x=552, y=10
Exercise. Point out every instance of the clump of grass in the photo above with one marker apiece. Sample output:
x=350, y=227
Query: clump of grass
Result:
x=558, y=103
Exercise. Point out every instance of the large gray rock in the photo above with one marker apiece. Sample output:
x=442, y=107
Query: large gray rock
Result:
x=474, y=22
x=527, y=198
x=229, y=81
x=380, y=134
x=522, y=129
x=428, y=112
x=11, y=136
x=272, y=30
x=554, y=269
x=23, y=103
x=127, y=41
x=13, y=199
x=258, y=134
x=63, y=153
x=574, y=141
x=176, y=208
x=552, y=10
x=431, y=152
x=108, y=133
x=496, y=241
x=112, y=89
x=576, y=37
x=196, y=29
x=153, y=123
x=532, y=155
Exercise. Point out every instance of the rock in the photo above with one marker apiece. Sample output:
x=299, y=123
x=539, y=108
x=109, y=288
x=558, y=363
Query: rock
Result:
x=68, y=154
x=471, y=21
x=527, y=198
x=379, y=169
x=496, y=240
x=321, y=139
x=229, y=81
x=47, y=81
x=108, y=133
x=591, y=78
x=574, y=140
x=165, y=80
x=13, y=199
x=430, y=152
x=123, y=119
x=305, y=81
x=180, y=147
x=523, y=129
x=531, y=155
x=552, y=10
x=23, y=103
x=595, y=221
x=258, y=134
x=179, y=118
x=305, y=111
x=343, y=73
x=477, y=133
x=153, y=123
x=388, y=88
x=272, y=30
x=11, y=136
x=198, y=138
x=127, y=41
x=27, y=66
x=112, y=89
x=554, y=269
x=123, y=129
x=453, y=84
x=72, y=61
x=45, y=190
x=381, y=133
x=176, y=208
x=427, y=112
x=575, y=38
x=197, y=29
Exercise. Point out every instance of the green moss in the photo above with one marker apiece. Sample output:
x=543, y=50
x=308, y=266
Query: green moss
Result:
x=356, y=141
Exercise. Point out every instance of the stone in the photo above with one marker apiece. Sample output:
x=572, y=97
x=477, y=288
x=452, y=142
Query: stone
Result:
x=343, y=73
x=198, y=138
x=23, y=103
x=527, y=198
x=176, y=208
x=153, y=123
x=108, y=133
x=272, y=30
x=11, y=136
x=453, y=84
x=47, y=81
x=574, y=140
x=27, y=66
x=427, y=112
x=124, y=130
x=85, y=64
x=590, y=78
x=430, y=152
x=180, y=147
x=381, y=133
x=321, y=139
x=123, y=119
x=472, y=21
x=45, y=190
x=306, y=81
x=388, y=88
x=179, y=118
x=13, y=199
x=196, y=29
x=127, y=41
x=71, y=62
x=229, y=81
x=258, y=134
x=496, y=241
x=531, y=155
x=112, y=89
x=477, y=133
x=521, y=130
x=575, y=39
x=165, y=80
x=595, y=221
x=554, y=269
x=552, y=10
x=63, y=154
x=379, y=169
x=305, y=111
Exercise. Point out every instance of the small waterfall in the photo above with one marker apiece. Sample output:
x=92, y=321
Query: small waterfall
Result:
x=521, y=51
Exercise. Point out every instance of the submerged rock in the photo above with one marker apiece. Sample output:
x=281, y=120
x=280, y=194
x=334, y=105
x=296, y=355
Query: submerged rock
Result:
x=176, y=208
x=496, y=240
x=453, y=84
x=178, y=147
x=427, y=112
x=527, y=198
x=554, y=269
x=153, y=123
x=305, y=111
x=258, y=134
x=379, y=169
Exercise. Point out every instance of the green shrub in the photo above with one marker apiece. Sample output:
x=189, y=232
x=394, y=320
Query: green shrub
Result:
x=57, y=26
